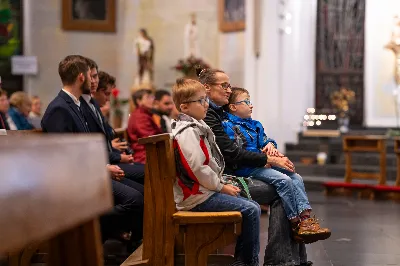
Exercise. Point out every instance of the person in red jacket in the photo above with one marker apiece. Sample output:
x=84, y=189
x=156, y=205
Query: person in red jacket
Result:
x=141, y=123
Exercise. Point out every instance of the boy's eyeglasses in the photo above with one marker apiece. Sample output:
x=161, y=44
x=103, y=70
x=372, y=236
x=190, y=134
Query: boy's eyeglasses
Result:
x=202, y=101
x=247, y=102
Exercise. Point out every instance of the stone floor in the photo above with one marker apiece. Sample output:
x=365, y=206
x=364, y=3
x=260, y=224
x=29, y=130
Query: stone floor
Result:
x=364, y=233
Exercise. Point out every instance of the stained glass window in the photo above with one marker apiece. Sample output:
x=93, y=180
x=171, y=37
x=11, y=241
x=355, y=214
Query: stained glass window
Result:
x=10, y=42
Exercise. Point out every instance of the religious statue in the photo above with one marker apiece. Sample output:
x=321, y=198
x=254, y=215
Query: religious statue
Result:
x=191, y=45
x=145, y=52
x=394, y=45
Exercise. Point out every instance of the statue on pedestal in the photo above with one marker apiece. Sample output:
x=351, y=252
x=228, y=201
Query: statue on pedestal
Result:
x=145, y=52
x=191, y=44
x=394, y=45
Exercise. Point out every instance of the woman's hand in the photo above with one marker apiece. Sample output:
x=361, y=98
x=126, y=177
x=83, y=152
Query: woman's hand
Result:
x=282, y=162
x=230, y=190
x=116, y=172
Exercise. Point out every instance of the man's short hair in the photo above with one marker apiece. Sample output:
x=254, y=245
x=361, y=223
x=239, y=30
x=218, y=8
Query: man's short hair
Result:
x=92, y=64
x=160, y=94
x=104, y=80
x=184, y=90
x=138, y=95
x=70, y=67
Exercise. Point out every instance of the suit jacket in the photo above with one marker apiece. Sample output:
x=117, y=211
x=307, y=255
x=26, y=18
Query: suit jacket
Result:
x=94, y=125
x=63, y=115
x=3, y=122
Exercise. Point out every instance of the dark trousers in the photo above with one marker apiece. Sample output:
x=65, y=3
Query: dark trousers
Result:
x=281, y=249
x=134, y=172
x=127, y=214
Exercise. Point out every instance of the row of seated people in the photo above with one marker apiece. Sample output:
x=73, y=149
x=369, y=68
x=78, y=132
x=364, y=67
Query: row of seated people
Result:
x=76, y=109
x=19, y=112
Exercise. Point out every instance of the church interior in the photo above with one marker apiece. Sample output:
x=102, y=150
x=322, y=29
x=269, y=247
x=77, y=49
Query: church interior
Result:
x=299, y=123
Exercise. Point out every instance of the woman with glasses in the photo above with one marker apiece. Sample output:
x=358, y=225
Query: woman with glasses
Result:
x=281, y=248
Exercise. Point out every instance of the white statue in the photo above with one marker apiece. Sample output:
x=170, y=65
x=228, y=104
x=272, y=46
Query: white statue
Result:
x=191, y=44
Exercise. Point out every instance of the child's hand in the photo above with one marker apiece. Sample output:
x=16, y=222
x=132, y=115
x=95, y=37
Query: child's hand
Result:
x=230, y=190
x=270, y=150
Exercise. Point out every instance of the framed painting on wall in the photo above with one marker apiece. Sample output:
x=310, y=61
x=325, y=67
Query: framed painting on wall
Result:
x=232, y=15
x=89, y=15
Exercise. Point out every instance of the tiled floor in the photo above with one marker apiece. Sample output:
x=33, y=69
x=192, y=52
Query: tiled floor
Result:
x=364, y=233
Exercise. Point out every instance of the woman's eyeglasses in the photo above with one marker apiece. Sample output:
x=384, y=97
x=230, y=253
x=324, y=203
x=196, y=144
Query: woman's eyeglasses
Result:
x=224, y=85
x=202, y=101
x=247, y=102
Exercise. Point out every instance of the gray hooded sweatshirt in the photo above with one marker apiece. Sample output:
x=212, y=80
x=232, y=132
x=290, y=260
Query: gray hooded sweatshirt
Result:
x=199, y=162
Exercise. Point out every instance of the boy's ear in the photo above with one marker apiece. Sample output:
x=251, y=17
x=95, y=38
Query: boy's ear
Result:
x=183, y=107
x=232, y=107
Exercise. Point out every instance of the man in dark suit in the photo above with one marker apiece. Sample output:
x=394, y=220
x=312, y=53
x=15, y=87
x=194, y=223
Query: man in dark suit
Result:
x=65, y=115
x=97, y=123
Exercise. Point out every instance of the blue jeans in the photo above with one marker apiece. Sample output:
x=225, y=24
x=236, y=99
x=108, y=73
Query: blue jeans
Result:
x=289, y=186
x=248, y=243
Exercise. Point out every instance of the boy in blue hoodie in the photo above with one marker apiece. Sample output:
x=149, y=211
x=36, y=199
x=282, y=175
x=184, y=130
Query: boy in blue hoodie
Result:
x=249, y=133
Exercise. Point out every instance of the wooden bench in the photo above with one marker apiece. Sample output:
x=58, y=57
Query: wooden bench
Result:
x=167, y=232
x=365, y=143
x=391, y=192
x=47, y=195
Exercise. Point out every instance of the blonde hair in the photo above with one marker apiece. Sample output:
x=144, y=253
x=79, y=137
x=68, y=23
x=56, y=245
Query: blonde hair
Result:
x=184, y=90
x=18, y=98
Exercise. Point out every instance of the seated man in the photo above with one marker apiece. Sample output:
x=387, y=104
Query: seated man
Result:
x=97, y=123
x=163, y=106
x=141, y=123
x=281, y=248
x=64, y=115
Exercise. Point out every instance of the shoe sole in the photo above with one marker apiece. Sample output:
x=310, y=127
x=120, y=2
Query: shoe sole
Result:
x=308, y=239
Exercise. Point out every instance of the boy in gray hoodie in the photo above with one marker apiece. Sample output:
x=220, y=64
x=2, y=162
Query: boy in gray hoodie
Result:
x=199, y=185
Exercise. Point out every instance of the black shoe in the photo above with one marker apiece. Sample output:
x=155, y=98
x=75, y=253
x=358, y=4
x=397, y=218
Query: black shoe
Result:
x=308, y=263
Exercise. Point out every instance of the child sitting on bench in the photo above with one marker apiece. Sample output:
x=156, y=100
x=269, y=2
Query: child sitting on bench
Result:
x=199, y=185
x=289, y=185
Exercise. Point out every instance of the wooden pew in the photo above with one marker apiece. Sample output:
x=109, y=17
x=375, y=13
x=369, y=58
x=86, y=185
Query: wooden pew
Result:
x=53, y=191
x=391, y=192
x=364, y=143
x=168, y=232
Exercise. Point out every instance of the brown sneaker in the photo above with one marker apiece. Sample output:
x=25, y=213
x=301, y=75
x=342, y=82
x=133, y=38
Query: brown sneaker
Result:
x=309, y=231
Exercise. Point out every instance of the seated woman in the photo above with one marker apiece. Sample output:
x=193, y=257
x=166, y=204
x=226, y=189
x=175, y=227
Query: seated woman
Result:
x=281, y=248
x=249, y=134
x=35, y=116
x=141, y=123
x=19, y=111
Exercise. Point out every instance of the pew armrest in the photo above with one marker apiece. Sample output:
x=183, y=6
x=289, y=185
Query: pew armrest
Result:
x=188, y=217
x=155, y=138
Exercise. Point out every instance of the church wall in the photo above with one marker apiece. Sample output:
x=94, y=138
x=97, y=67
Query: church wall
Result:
x=379, y=63
x=44, y=38
x=281, y=80
x=165, y=22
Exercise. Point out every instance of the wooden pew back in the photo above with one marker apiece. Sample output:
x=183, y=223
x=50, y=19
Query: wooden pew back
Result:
x=159, y=200
x=54, y=187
